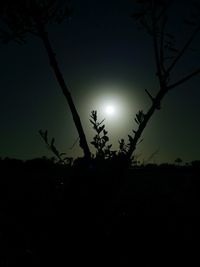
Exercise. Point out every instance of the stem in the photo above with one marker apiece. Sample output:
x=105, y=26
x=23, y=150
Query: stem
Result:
x=156, y=46
x=161, y=73
x=167, y=5
x=60, y=79
x=185, y=47
x=147, y=117
x=184, y=79
x=162, y=33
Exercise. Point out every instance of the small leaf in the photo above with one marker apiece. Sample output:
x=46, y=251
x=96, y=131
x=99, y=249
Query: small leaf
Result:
x=130, y=138
x=100, y=129
x=101, y=122
x=105, y=132
x=40, y=132
x=55, y=151
x=105, y=138
x=94, y=144
x=137, y=121
x=140, y=141
x=52, y=141
x=92, y=122
x=45, y=135
x=94, y=115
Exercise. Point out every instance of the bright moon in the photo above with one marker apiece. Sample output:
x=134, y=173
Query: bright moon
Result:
x=110, y=110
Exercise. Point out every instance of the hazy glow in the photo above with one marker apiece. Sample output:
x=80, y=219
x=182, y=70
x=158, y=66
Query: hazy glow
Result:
x=116, y=106
x=110, y=110
x=114, y=103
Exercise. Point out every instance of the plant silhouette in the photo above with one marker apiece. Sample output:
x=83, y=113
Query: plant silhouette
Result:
x=32, y=17
x=48, y=211
x=152, y=16
x=113, y=158
x=178, y=161
x=62, y=158
x=103, y=150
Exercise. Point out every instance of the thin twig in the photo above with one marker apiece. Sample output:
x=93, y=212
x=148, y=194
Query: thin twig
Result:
x=162, y=33
x=155, y=44
x=185, y=47
x=163, y=11
x=184, y=79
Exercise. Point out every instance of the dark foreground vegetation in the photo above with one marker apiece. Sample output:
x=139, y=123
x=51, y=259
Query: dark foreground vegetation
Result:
x=68, y=216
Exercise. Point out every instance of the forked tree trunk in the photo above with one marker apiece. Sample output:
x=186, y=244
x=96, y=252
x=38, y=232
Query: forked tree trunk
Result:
x=53, y=62
x=156, y=28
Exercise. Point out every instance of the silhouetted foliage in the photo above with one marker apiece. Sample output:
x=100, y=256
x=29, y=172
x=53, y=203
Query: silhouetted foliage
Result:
x=51, y=214
x=153, y=18
x=178, y=161
x=100, y=140
x=105, y=156
x=32, y=16
x=195, y=164
x=19, y=18
x=62, y=158
x=139, y=117
x=48, y=212
x=123, y=147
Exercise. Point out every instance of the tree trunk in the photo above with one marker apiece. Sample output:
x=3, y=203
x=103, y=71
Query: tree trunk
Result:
x=60, y=79
x=143, y=124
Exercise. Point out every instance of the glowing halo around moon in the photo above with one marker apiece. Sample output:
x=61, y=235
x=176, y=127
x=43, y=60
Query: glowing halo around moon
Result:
x=110, y=110
x=115, y=104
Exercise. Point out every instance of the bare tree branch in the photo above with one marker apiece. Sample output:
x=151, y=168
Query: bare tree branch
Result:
x=185, y=47
x=65, y=90
x=184, y=79
x=32, y=16
x=150, y=96
x=158, y=34
x=163, y=11
x=155, y=44
x=162, y=35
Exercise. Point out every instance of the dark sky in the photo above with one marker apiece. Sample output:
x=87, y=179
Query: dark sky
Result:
x=105, y=59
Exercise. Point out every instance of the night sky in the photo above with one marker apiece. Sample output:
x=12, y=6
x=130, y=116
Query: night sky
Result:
x=105, y=60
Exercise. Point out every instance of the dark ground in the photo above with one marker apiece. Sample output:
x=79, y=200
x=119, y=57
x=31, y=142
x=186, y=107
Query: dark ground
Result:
x=142, y=217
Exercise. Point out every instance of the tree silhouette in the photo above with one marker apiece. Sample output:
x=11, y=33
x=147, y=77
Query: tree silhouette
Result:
x=18, y=18
x=152, y=16
x=178, y=161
